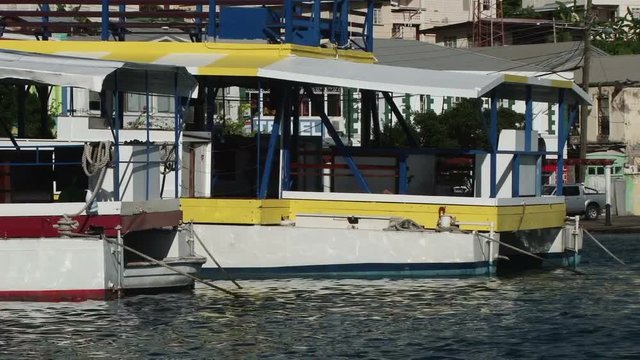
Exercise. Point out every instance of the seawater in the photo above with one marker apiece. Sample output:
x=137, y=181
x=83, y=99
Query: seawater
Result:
x=553, y=314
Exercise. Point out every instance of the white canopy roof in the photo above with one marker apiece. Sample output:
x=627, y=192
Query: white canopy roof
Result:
x=92, y=74
x=416, y=81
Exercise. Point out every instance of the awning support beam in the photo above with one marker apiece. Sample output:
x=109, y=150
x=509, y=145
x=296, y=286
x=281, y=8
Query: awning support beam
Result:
x=493, y=136
x=562, y=141
x=273, y=143
x=343, y=149
x=411, y=137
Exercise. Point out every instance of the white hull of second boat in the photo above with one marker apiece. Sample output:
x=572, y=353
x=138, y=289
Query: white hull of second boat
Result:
x=288, y=251
x=82, y=268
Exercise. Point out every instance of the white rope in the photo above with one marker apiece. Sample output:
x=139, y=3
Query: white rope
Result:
x=94, y=159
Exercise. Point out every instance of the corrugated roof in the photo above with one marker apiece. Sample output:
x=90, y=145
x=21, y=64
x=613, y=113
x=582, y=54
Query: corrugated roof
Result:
x=422, y=55
x=562, y=56
x=612, y=69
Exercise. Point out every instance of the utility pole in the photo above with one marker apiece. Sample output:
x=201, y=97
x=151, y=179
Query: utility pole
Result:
x=584, y=108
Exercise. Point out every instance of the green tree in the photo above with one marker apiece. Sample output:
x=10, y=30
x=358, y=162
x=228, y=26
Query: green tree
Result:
x=9, y=113
x=461, y=127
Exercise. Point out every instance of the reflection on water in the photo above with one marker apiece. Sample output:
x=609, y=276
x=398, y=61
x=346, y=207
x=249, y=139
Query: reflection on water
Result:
x=550, y=314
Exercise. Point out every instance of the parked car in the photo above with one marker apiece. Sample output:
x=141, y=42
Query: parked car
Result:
x=580, y=200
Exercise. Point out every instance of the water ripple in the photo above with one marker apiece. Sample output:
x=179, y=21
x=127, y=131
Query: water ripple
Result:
x=545, y=314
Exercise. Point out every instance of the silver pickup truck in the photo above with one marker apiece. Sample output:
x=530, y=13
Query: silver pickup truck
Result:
x=580, y=200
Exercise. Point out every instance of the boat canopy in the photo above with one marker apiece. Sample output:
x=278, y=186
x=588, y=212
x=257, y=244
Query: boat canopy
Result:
x=94, y=74
x=329, y=67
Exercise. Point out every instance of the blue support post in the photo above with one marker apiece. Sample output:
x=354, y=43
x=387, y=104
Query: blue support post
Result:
x=562, y=140
x=343, y=149
x=148, y=122
x=369, y=26
x=403, y=181
x=45, y=20
x=515, y=179
x=528, y=119
x=211, y=27
x=122, y=20
x=316, y=22
x=116, y=139
x=198, y=22
x=275, y=131
x=288, y=21
x=411, y=137
x=177, y=129
x=258, y=139
x=104, y=26
x=63, y=91
x=493, y=136
x=343, y=39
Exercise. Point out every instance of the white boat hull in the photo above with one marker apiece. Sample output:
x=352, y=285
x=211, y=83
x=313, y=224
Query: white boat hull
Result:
x=286, y=251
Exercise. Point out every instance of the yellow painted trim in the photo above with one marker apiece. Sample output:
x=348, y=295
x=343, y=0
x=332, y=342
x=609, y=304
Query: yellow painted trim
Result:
x=564, y=84
x=150, y=51
x=271, y=212
x=516, y=78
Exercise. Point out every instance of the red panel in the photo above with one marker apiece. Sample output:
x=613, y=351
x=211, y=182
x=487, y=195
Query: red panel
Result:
x=57, y=295
x=42, y=226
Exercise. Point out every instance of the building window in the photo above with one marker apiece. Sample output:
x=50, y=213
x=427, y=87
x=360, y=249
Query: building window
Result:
x=450, y=41
x=635, y=12
x=136, y=103
x=333, y=105
x=377, y=16
x=94, y=101
x=603, y=114
x=166, y=104
x=397, y=32
x=486, y=4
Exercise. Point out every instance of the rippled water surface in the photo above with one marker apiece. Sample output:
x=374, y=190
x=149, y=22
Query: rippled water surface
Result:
x=549, y=314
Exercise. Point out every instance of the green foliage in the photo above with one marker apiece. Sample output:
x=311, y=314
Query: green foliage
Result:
x=620, y=36
x=9, y=113
x=514, y=9
x=461, y=127
x=232, y=127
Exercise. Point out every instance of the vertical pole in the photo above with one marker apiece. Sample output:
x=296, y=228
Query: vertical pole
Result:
x=268, y=163
x=211, y=28
x=104, y=25
x=584, y=109
x=493, y=136
x=365, y=118
x=116, y=139
x=607, y=191
x=123, y=19
x=375, y=119
x=177, y=129
x=198, y=21
x=285, y=147
x=45, y=20
x=369, y=26
x=528, y=119
x=64, y=100
x=403, y=183
x=258, y=139
x=148, y=120
x=562, y=141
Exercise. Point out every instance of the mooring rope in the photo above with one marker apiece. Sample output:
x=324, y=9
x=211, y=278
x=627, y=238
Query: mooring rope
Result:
x=214, y=259
x=603, y=248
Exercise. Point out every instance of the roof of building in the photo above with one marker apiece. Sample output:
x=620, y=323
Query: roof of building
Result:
x=613, y=69
x=422, y=55
x=562, y=56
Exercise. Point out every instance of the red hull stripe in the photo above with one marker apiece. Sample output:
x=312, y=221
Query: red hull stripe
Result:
x=42, y=226
x=56, y=295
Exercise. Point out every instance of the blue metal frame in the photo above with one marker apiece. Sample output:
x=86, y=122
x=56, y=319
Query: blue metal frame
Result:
x=403, y=122
x=562, y=140
x=177, y=132
x=122, y=20
x=493, y=137
x=258, y=139
x=403, y=181
x=148, y=120
x=116, y=139
x=211, y=26
x=340, y=145
x=104, y=25
x=45, y=20
x=275, y=132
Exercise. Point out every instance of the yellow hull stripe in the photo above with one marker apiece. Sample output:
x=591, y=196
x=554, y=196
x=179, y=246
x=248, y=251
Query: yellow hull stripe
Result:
x=272, y=212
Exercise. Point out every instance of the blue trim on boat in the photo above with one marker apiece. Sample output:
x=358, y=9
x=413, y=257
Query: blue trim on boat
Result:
x=368, y=270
